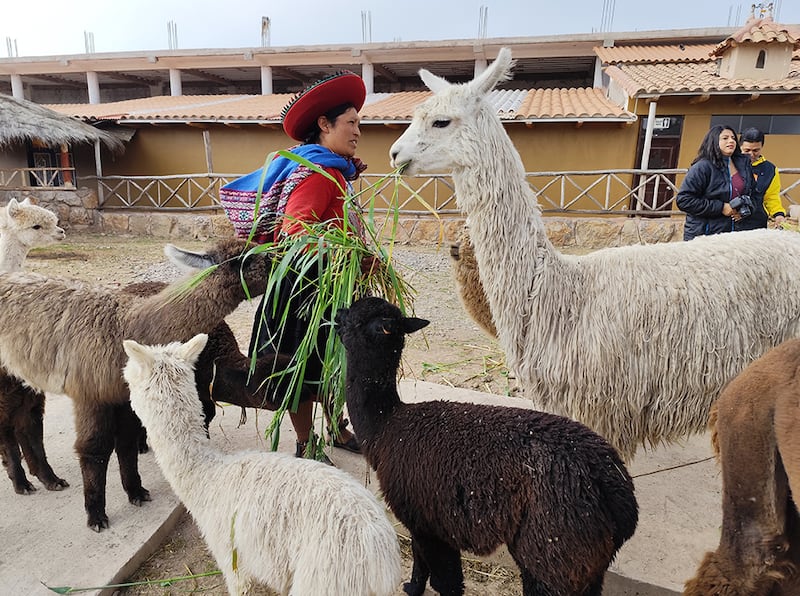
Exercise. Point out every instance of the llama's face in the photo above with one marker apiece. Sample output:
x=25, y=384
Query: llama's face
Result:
x=453, y=129
x=439, y=137
x=31, y=225
x=373, y=324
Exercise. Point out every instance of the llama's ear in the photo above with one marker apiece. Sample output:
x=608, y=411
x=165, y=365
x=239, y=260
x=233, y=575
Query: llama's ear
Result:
x=433, y=82
x=187, y=259
x=192, y=348
x=498, y=71
x=26, y=201
x=412, y=324
x=136, y=351
x=12, y=207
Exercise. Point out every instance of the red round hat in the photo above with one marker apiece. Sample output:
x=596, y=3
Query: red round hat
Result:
x=312, y=102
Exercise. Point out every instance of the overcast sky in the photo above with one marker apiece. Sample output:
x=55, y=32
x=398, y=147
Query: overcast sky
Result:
x=48, y=27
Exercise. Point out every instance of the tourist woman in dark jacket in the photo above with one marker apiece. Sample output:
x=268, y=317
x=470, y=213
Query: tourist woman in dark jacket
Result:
x=717, y=193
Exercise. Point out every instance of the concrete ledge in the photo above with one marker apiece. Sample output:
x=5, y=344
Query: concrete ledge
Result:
x=46, y=541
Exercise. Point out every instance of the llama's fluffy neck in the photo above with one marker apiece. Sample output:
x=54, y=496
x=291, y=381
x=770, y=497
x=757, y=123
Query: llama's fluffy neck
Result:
x=12, y=252
x=171, y=413
x=509, y=238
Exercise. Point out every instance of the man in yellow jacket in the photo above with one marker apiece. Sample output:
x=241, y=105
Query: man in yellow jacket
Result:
x=768, y=181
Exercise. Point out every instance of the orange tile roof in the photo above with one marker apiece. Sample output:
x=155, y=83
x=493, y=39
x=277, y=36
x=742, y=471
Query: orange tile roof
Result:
x=638, y=79
x=692, y=69
x=761, y=31
x=185, y=107
x=512, y=105
x=649, y=54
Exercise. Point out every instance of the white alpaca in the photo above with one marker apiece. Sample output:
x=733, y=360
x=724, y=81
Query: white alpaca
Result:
x=635, y=342
x=296, y=525
x=24, y=226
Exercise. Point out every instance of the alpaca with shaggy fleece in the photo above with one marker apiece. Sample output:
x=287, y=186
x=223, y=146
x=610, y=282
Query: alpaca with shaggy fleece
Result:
x=635, y=342
x=472, y=477
x=23, y=226
x=246, y=503
x=86, y=362
x=755, y=431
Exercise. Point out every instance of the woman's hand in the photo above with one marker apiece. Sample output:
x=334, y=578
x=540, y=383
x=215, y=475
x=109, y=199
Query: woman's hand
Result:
x=729, y=211
x=370, y=264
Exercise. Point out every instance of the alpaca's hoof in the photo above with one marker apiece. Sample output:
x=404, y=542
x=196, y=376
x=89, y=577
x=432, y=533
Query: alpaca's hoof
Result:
x=98, y=522
x=140, y=496
x=24, y=488
x=56, y=484
x=413, y=589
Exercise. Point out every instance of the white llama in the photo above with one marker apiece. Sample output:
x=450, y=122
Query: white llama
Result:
x=637, y=341
x=296, y=525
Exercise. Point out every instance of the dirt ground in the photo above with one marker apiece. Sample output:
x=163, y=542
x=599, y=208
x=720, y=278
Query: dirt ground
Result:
x=453, y=351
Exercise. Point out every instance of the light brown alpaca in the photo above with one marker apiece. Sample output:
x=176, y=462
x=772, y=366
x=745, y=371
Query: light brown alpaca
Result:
x=755, y=427
x=468, y=283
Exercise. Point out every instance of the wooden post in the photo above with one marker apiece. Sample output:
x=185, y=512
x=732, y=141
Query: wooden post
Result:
x=66, y=166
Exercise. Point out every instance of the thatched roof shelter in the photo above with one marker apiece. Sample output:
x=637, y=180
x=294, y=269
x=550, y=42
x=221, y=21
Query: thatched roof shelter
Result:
x=22, y=120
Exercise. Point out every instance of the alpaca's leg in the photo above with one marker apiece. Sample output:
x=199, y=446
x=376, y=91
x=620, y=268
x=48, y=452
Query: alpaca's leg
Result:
x=11, y=457
x=444, y=563
x=533, y=587
x=419, y=572
x=29, y=429
x=10, y=408
x=94, y=426
x=128, y=434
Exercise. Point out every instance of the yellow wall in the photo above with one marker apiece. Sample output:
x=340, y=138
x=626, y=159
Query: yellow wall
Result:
x=548, y=147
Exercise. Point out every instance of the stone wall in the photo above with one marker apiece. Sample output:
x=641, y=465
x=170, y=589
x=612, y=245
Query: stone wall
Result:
x=78, y=211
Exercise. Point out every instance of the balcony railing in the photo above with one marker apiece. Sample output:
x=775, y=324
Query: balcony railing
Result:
x=590, y=192
x=37, y=178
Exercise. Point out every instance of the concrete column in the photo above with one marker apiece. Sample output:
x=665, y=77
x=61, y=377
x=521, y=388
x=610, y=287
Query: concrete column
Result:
x=175, y=84
x=266, y=80
x=17, y=89
x=368, y=75
x=93, y=85
x=480, y=66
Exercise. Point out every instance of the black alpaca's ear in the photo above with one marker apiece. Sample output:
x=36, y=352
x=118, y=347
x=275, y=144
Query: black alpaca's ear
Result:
x=340, y=319
x=412, y=324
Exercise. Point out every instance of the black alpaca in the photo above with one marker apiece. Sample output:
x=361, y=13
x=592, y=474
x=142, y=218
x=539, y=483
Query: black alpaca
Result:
x=471, y=477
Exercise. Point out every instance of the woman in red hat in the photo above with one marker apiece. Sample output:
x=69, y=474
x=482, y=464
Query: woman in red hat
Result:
x=324, y=118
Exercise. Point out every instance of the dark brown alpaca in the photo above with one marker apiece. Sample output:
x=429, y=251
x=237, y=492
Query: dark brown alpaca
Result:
x=755, y=427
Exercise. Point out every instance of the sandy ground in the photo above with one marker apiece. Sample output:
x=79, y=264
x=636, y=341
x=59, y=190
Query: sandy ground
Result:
x=454, y=352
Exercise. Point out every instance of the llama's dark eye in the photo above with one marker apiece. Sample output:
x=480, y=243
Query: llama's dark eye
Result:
x=441, y=123
x=37, y=227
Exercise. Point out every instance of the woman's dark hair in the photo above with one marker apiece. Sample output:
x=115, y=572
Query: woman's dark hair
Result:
x=752, y=135
x=709, y=148
x=313, y=135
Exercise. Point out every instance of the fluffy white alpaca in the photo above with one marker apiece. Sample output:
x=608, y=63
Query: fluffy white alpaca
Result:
x=635, y=342
x=296, y=525
x=24, y=226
